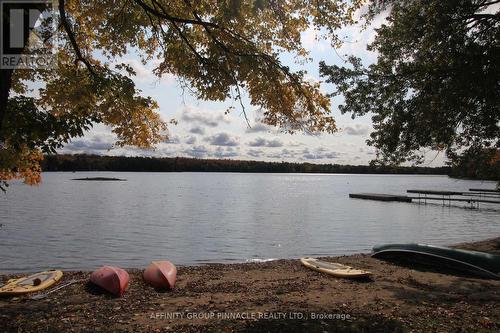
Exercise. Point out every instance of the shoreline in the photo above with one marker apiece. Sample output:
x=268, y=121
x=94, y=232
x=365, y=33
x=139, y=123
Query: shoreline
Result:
x=280, y=295
x=84, y=162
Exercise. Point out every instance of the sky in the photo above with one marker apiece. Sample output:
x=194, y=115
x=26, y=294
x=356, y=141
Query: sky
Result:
x=204, y=131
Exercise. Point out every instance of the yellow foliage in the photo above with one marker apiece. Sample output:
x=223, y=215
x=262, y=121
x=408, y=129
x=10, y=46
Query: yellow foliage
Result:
x=215, y=47
x=25, y=164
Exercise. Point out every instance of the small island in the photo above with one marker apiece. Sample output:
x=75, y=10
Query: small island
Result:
x=100, y=179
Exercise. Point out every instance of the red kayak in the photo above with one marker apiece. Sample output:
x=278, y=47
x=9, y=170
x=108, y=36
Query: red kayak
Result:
x=112, y=279
x=161, y=274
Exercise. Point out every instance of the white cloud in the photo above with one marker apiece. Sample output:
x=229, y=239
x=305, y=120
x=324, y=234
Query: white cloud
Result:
x=203, y=117
x=259, y=127
x=196, y=151
x=255, y=152
x=144, y=73
x=222, y=139
x=197, y=130
x=98, y=143
x=263, y=142
x=191, y=140
x=283, y=154
x=173, y=139
x=225, y=153
x=319, y=154
x=357, y=129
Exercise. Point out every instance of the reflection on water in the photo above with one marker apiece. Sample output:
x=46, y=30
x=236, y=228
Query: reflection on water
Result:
x=193, y=218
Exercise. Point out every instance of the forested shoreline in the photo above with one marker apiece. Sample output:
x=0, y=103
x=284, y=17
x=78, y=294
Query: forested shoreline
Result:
x=83, y=162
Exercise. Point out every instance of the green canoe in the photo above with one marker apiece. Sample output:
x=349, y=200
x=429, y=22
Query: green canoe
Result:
x=478, y=263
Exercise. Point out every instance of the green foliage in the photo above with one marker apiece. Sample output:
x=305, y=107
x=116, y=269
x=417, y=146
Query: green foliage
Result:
x=436, y=81
x=477, y=163
x=26, y=125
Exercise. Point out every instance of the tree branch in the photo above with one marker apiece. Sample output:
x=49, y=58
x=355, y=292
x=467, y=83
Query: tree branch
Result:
x=165, y=15
x=5, y=85
x=495, y=17
x=72, y=39
x=486, y=4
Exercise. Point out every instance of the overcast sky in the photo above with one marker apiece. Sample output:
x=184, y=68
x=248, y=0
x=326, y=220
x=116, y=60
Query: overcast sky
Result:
x=204, y=131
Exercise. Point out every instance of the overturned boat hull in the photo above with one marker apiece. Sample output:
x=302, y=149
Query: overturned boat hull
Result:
x=161, y=274
x=112, y=279
x=482, y=264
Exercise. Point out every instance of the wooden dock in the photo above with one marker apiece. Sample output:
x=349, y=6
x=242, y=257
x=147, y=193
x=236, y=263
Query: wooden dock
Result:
x=448, y=193
x=446, y=197
x=489, y=190
x=487, y=194
x=380, y=197
x=469, y=200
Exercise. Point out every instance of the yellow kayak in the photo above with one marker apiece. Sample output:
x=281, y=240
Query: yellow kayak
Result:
x=32, y=283
x=334, y=269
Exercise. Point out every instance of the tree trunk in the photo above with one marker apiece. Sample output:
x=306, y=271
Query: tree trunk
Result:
x=5, y=84
x=6, y=74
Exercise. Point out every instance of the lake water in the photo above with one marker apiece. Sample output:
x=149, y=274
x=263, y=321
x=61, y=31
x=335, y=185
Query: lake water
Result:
x=196, y=218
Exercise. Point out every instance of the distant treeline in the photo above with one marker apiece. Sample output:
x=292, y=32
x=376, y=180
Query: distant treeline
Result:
x=153, y=164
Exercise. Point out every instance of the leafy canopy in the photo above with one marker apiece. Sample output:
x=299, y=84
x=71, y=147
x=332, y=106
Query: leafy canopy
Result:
x=436, y=82
x=216, y=48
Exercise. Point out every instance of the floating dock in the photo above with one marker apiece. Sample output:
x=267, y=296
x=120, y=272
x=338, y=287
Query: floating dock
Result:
x=380, y=197
x=446, y=197
x=435, y=192
x=470, y=200
x=483, y=194
x=487, y=190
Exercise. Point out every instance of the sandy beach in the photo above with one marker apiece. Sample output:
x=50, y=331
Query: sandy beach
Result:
x=277, y=296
